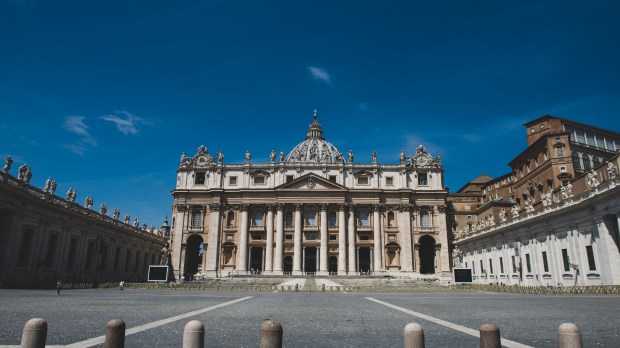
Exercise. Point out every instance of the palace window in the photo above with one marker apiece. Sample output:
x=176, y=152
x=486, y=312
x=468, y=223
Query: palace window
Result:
x=545, y=262
x=257, y=217
x=200, y=178
x=565, y=260
x=590, y=253
x=423, y=179
x=425, y=220
x=232, y=181
x=596, y=161
x=528, y=264
x=73, y=246
x=586, y=162
x=576, y=160
x=389, y=181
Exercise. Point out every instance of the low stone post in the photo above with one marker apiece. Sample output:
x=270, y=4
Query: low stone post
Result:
x=115, y=334
x=194, y=335
x=414, y=336
x=569, y=336
x=270, y=334
x=489, y=336
x=34, y=334
x=296, y=287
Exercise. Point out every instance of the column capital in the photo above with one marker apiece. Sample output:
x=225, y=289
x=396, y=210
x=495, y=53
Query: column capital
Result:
x=351, y=207
x=323, y=206
x=215, y=207
x=441, y=208
x=378, y=207
x=279, y=206
x=342, y=206
x=244, y=207
x=270, y=207
x=405, y=208
x=298, y=206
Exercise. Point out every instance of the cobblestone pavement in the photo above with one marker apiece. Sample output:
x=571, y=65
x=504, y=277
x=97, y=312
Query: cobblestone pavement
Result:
x=309, y=319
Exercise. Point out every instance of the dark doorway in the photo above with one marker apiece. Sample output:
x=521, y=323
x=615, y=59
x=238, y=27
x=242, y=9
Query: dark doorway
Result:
x=427, y=255
x=256, y=259
x=364, y=260
x=288, y=264
x=193, y=256
x=333, y=264
x=310, y=260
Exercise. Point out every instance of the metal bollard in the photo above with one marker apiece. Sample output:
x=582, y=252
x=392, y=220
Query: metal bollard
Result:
x=115, y=334
x=34, y=334
x=569, y=336
x=414, y=336
x=194, y=335
x=270, y=334
x=489, y=336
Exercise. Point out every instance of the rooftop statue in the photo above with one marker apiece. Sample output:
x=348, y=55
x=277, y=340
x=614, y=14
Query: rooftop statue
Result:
x=27, y=176
x=48, y=184
x=402, y=156
x=248, y=156
x=281, y=155
x=21, y=172
x=351, y=156
x=374, y=157
x=7, y=164
x=220, y=157
x=566, y=190
x=103, y=209
x=116, y=214
x=52, y=187
x=88, y=202
x=612, y=171
x=272, y=156
x=591, y=179
x=127, y=219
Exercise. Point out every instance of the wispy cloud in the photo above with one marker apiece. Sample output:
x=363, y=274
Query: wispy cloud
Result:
x=79, y=150
x=76, y=124
x=125, y=122
x=363, y=106
x=320, y=74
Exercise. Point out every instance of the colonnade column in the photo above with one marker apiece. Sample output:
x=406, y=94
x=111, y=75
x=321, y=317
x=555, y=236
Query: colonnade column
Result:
x=352, y=250
x=342, y=241
x=269, y=246
x=177, y=236
x=444, y=261
x=242, y=260
x=324, y=252
x=297, y=241
x=213, y=248
x=376, y=224
x=277, y=266
x=407, y=253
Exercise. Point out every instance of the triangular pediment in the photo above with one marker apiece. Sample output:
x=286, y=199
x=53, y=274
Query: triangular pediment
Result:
x=312, y=182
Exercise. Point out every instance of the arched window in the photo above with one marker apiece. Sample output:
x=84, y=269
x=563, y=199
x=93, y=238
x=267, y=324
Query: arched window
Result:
x=257, y=217
x=425, y=220
x=576, y=160
x=587, y=165
x=331, y=219
x=230, y=219
x=311, y=217
x=196, y=219
x=390, y=219
x=363, y=218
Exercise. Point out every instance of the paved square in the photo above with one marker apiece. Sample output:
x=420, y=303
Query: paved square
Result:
x=156, y=318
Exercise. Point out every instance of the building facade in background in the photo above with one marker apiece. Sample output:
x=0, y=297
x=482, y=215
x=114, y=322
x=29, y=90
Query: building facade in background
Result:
x=313, y=210
x=553, y=220
x=45, y=238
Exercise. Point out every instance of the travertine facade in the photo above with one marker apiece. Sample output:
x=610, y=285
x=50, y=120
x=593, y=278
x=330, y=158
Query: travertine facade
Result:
x=553, y=220
x=311, y=211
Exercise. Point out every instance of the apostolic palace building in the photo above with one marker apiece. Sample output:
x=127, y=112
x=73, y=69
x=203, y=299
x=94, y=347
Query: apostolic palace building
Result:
x=313, y=210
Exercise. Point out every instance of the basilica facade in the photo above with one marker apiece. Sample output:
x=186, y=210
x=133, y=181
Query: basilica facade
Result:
x=313, y=210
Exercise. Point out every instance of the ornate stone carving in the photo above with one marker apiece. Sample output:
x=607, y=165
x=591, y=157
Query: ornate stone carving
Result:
x=7, y=164
x=311, y=183
x=591, y=180
x=215, y=207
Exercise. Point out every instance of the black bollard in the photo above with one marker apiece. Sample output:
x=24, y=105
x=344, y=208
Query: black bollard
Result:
x=489, y=336
x=569, y=336
x=414, y=336
x=194, y=335
x=34, y=334
x=270, y=334
x=115, y=334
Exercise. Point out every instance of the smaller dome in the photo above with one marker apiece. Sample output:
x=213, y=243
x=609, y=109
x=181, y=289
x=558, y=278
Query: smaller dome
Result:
x=314, y=149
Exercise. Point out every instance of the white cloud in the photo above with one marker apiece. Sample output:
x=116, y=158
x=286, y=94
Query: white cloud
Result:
x=319, y=74
x=76, y=149
x=126, y=125
x=75, y=124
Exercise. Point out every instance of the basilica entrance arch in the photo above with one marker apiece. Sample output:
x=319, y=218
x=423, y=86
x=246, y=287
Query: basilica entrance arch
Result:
x=333, y=264
x=288, y=264
x=310, y=260
x=256, y=259
x=364, y=259
x=193, y=255
x=427, y=255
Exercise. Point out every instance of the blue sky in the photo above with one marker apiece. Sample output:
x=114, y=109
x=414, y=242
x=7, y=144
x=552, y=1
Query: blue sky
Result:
x=105, y=95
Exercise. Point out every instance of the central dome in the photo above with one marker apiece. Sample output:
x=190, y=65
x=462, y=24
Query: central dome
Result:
x=314, y=149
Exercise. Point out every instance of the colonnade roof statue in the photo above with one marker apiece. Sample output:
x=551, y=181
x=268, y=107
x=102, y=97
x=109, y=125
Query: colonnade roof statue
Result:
x=315, y=149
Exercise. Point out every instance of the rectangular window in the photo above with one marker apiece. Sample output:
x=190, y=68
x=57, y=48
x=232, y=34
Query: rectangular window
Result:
x=422, y=179
x=481, y=267
x=362, y=180
x=425, y=220
x=232, y=180
x=311, y=217
x=288, y=217
x=579, y=136
x=331, y=219
x=289, y=178
x=491, y=266
x=50, y=258
x=590, y=253
x=501, y=265
x=389, y=181
x=565, y=260
x=590, y=138
x=333, y=237
x=200, y=178
x=514, y=264
x=528, y=264
x=562, y=169
x=545, y=263
x=257, y=236
x=363, y=218
x=332, y=178
x=364, y=237
x=25, y=248
x=259, y=180
x=196, y=219
x=288, y=237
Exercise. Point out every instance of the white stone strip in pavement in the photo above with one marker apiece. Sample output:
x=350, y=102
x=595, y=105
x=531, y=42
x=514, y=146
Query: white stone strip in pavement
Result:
x=326, y=282
x=134, y=330
x=299, y=281
x=457, y=327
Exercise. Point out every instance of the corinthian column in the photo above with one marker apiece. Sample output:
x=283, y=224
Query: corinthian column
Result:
x=297, y=241
x=323, y=269
x=243, y=241
x=376, y=224
x=352, y=253
x=213, y=249
x=269, y=246
x=407, y=252
x=342, y=241
x=277, y=265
